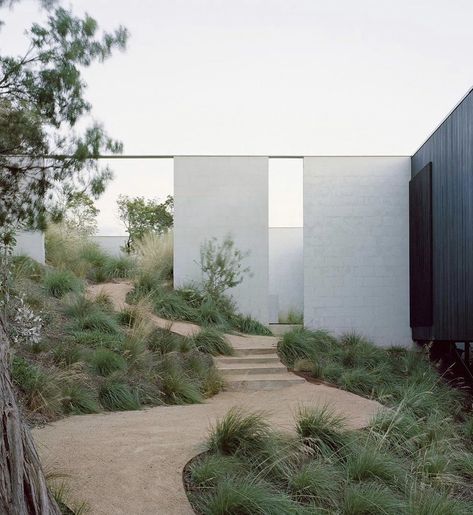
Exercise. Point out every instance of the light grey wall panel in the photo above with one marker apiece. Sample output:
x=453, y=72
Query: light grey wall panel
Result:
x=356, y=246
x=216, y=196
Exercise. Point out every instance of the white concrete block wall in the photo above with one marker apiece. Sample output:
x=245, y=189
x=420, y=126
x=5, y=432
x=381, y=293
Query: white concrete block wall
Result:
x=112, y=245
x=216, y=196
x=31, y=243
x=286, y=274
x=356, y=246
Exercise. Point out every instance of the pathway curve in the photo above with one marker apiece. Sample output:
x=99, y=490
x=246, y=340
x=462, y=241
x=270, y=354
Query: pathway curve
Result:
x=131, y=462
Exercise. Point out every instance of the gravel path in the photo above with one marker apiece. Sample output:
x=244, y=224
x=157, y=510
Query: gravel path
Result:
x=131, y=462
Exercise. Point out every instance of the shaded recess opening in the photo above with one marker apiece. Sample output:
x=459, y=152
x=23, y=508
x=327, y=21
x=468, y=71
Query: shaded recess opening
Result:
x=285, y=216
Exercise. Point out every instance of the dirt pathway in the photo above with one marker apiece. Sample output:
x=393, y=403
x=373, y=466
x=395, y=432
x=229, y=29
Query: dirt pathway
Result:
x=131, y=462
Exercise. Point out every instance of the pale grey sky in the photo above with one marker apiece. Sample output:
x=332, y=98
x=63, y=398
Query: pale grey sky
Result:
x=270, y=77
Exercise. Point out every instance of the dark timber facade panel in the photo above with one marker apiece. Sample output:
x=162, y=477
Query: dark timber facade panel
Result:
x=420, y=248
x=450, y=152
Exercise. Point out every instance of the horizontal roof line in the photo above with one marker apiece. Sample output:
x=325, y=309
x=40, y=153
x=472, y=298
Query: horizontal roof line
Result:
x=161, y=156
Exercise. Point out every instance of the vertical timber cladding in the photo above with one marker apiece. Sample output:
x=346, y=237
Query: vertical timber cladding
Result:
x=216, y=197
x=420, y=248
x=356, y=246
x=450, y=150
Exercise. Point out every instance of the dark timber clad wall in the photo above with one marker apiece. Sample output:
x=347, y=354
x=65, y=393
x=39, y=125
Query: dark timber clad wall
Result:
x=450, y=151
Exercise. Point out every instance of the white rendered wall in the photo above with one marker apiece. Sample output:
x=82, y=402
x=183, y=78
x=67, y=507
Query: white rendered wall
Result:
x=356, y=246
x=30, y=243
x=216, y=196
x=286, y=274
x=111, y=244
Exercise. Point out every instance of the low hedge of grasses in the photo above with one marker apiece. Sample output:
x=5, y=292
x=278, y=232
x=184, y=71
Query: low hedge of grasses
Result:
x=192, y=305
x=92, y=359
x=83, y=257
x=414, y=458
x=400, y=464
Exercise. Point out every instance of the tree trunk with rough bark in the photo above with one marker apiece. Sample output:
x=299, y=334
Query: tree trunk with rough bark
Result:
x=23, y=489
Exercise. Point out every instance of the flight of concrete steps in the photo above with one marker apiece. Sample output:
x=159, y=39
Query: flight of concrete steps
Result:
x=255, y=365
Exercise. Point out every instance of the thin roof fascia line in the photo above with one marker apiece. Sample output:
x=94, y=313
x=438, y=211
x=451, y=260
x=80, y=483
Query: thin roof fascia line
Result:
x=457, y=105
x=166, y=156
x=151, y=156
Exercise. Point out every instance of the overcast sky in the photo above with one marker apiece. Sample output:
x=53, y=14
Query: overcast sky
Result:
x=303, y=77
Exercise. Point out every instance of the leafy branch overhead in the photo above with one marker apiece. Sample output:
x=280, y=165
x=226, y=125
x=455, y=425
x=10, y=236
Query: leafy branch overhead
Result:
x=41, y=102
x=142, y=216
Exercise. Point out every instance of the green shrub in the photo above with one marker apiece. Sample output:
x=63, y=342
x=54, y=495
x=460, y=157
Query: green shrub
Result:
x=321, y=428
x=104, y=362
x=212, y=342
x=117, y=396
x=59, y=282
x=239, y=432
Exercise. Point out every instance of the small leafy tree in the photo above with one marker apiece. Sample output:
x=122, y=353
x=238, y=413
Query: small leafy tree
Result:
x=141, y=216
x=80, y=214
x=221, y=265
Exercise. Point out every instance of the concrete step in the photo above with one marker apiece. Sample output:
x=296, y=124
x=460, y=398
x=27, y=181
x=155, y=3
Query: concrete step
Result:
x=252, y=368
x=244, y=360
x=252, y=350
x=261, y=381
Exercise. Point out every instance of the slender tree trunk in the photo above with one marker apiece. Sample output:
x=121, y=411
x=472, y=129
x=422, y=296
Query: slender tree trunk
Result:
x=23, y=489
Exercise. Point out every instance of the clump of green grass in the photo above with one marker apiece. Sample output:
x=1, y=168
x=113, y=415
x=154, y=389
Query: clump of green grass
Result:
x=322, y=429
x=316, y=481
x=292, y=317
x=67, y=353
x=304, y=344
x=24, y=267
x=177, y=387
x=59, y=282
x=164, y=341
x=115, y=395
x=41, y=393
x=168, y=304
x=245, y=496
x=96, y=338
x=97, y=321
x=239, y=432
x=248, y=325
x=104, y=362
x=155, y=258
x=212, y=341
x=78, y=399
x=208, y=470
x=370, y=463
x=371, y=499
